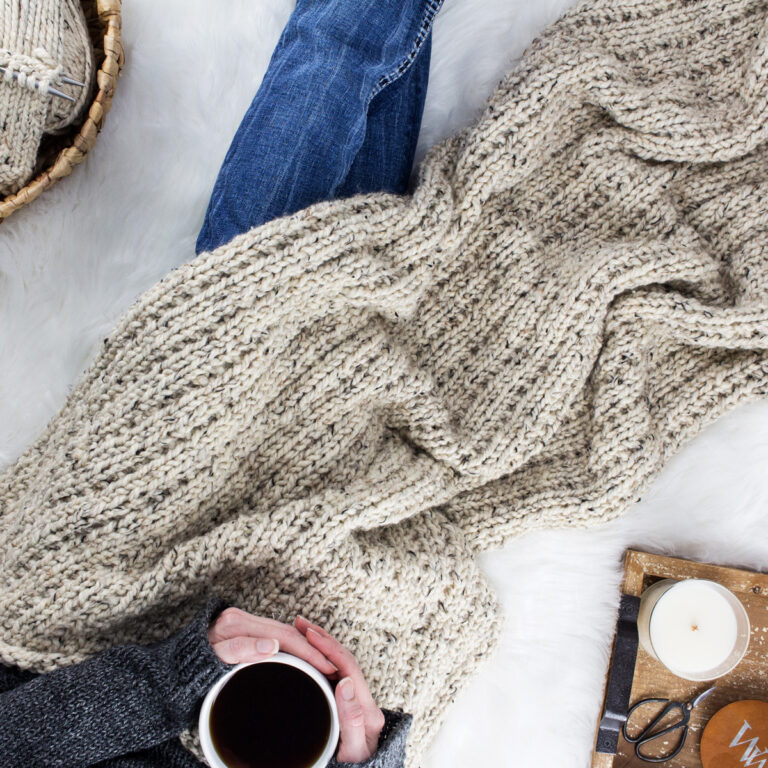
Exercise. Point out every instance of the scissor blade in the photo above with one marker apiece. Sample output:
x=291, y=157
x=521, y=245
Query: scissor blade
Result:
x=702, y=696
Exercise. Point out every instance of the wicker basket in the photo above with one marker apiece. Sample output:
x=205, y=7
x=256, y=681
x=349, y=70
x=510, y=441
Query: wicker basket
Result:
x=58, y=155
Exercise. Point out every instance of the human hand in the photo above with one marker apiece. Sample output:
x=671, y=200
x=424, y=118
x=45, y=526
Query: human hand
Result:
x=238, y=636
x=360, y=720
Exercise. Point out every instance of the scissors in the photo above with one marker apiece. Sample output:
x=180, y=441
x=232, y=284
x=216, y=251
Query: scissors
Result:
x=648, y=734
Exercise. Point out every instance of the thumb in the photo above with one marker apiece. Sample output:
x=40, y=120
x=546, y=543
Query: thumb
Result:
x=353, y=747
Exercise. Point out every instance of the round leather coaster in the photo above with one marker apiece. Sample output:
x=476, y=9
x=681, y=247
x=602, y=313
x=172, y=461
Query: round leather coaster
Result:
x=736, y=736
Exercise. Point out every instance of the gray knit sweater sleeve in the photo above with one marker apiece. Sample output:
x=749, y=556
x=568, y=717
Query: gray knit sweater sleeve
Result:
x=391, y=750
x=125, y=707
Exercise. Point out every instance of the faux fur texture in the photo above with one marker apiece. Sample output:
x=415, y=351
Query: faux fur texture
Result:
x=72, y=262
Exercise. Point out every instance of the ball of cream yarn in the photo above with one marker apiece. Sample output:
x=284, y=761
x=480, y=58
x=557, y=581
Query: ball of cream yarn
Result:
x=40, y=41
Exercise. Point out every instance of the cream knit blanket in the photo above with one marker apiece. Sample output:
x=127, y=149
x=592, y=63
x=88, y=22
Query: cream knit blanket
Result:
x=336, y=411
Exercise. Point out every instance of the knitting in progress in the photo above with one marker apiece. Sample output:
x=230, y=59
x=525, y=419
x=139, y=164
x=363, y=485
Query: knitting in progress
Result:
x=40, y=41
x=335, y=412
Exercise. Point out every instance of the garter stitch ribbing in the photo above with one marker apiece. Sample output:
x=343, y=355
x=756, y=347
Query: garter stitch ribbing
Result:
x=336, y=411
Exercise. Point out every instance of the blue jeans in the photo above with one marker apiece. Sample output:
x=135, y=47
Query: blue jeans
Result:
x=338, y=113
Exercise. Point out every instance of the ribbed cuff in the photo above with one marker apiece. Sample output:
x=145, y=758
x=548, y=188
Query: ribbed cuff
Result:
x=193, y=666
x=391, y=750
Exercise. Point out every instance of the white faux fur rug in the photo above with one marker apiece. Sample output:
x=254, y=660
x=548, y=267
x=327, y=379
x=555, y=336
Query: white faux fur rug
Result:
x=72, y=262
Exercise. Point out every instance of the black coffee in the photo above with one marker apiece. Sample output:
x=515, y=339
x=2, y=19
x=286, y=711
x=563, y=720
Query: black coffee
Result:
x=270, y=715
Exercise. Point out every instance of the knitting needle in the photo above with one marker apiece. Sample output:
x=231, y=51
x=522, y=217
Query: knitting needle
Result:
x=69, y=81
x=54, y=92
x=64, y=79
x=50, y=89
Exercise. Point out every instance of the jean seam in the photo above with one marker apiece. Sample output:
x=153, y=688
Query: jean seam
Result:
x=433, y=6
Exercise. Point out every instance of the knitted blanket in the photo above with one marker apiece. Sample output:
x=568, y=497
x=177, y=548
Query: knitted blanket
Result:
x=335, y=412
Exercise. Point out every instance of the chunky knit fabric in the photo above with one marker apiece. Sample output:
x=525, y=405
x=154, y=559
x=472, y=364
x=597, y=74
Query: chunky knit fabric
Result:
x=336, y=411
x=127, y=699
x=40, y=40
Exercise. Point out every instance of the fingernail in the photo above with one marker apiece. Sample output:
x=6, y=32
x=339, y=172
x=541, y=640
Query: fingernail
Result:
x=267, y=646
x=319, y=630
x=347, y=689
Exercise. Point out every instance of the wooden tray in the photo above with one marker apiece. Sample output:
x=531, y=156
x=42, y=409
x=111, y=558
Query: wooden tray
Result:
x=749, y=680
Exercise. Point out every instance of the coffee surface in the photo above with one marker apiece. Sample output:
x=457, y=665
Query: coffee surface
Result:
x=270, y=715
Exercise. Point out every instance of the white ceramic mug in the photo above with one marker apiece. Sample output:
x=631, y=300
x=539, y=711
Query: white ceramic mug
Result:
x=213, y=757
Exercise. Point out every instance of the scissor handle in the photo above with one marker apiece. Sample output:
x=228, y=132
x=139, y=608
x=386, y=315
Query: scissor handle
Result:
x=667, y=756
x=647, y=734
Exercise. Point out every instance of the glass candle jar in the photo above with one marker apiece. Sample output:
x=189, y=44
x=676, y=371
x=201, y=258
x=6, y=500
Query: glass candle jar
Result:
x=697, y=629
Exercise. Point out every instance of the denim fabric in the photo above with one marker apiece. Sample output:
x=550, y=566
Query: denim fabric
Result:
x=337, y=113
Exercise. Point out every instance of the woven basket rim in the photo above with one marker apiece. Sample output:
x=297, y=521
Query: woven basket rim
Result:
x=109, y=14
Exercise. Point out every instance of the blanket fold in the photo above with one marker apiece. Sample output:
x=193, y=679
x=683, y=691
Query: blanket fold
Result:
x=336, y=411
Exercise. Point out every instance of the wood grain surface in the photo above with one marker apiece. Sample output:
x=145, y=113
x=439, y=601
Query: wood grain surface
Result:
x=748, y=680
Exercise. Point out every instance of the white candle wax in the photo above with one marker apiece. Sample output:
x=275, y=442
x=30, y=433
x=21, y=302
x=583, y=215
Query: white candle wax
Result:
x=693, y=627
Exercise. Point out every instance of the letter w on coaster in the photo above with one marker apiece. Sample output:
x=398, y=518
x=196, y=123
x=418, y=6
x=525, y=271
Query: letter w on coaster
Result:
x=737, y=736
